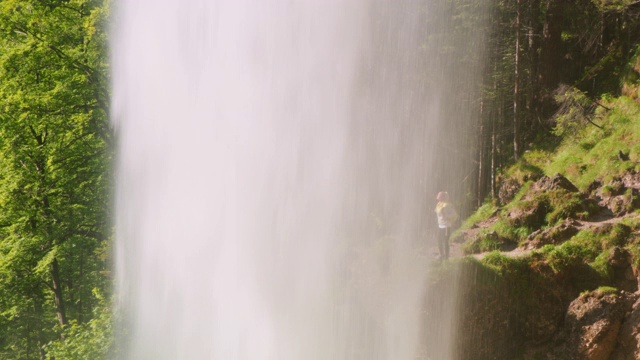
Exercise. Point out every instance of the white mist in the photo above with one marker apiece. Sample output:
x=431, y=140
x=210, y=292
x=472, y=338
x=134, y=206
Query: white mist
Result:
x=275, y=177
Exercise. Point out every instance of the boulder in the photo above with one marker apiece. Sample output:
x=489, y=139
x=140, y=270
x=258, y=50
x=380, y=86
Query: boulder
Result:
x=594, y=187
x=555, y=235
x=592, y=324
x=531, y=216
x=556, y=182
x=631, y=180
x=620, y=205
x=507, y=190
x=628, y=347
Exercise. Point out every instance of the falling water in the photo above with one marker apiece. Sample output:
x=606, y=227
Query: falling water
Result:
x=278, y=162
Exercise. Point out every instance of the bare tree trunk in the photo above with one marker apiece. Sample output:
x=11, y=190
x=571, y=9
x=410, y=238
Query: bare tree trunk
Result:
x=480, y=191
x=493, y=160
x=516, y=84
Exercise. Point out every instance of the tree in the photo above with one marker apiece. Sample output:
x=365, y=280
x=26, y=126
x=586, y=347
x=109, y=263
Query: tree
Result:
x=534, y=47
x=55, y=153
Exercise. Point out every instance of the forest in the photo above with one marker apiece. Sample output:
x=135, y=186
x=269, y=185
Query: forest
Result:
x=550, y=67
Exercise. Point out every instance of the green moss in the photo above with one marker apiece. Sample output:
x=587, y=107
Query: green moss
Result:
x=568, y=255
x=602, y=267
x=634, y=248
x=526, y=170
x=618, y=235
x=632, y=222
x=504, y=264
x=509, y=232
x=590, y=153
x=548, y=208
x=590, y=241
x=482, y=243
x=524, y=190
x=605, y=290
x=564, y=205
x=483, y=213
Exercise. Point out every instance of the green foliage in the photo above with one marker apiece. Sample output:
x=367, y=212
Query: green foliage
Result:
x=55, y=159
x=575, y=111
x=90, y=340
x=613, y=5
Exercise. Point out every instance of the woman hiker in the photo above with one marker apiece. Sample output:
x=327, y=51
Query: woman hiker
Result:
x=447, y=216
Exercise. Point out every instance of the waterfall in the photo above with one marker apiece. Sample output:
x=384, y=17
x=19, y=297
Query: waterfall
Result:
x=277, y=169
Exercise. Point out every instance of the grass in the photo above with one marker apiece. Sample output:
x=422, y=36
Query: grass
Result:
x=483, y=213
x=481, y=244
x=601, y=265
x=592, y=152
x=503, y=264
x=568, y=255
x=587, y=155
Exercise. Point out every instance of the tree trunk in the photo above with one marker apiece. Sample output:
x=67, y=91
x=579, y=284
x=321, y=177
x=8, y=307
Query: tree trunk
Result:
x=493, y=160
x=480, y=190
x=56, y=281
x=57, y=293
x=40, y=341
x=551, y=52
x=516, y=84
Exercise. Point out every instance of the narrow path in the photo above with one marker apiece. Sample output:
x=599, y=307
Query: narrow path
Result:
x=598, y=221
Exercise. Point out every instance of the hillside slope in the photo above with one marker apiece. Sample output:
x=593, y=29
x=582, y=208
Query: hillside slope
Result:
x=570, y=210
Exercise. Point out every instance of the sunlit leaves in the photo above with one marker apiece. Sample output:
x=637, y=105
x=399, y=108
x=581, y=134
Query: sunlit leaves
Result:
x=54, y=163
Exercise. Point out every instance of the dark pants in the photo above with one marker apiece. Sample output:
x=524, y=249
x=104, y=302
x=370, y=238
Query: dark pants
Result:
x=443, y=243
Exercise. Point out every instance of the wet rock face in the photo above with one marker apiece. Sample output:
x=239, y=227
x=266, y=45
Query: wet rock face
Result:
x=592, y=324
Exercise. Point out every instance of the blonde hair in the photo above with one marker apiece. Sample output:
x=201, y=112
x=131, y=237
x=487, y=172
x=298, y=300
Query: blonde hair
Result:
x=443, y=196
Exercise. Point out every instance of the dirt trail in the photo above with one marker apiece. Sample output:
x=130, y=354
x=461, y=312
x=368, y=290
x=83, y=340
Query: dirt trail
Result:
x=598, y=221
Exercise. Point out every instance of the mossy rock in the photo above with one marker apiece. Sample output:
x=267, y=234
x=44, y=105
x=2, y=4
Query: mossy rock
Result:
x=529, y=213
x=556, y=182
x=508, y=189
x=555, y=235
x=487, y=241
